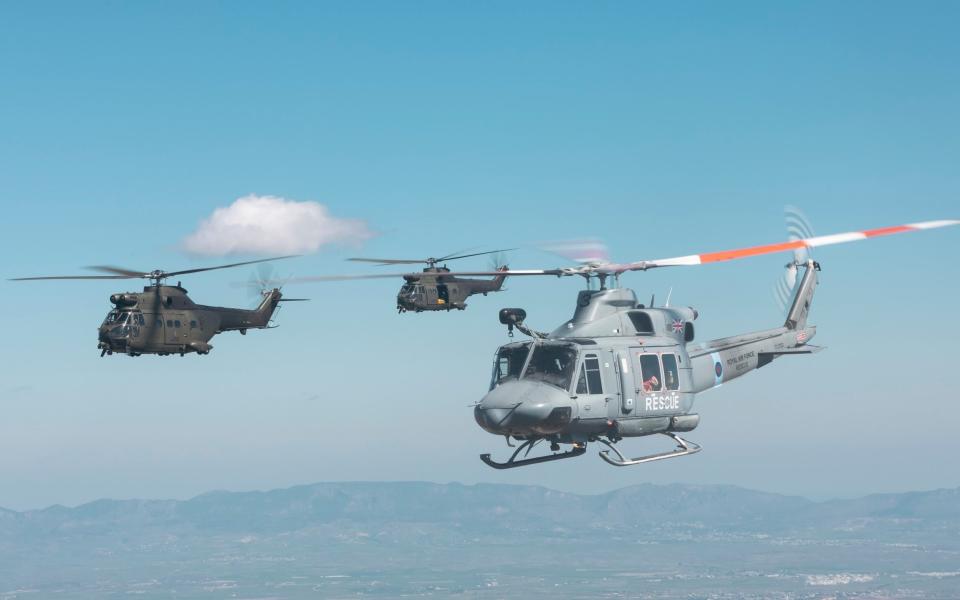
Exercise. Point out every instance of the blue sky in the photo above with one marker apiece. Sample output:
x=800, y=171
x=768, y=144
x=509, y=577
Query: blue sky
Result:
x=663, y=129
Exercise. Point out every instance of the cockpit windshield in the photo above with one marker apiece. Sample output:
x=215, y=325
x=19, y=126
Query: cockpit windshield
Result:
x=509, y=362
x=120, y=323
x=410, y=289
x=115, y=317
x=553, y=364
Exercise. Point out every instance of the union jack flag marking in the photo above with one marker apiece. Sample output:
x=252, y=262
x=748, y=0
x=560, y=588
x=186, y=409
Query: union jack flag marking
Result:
x=801, y=337
x=677, y=326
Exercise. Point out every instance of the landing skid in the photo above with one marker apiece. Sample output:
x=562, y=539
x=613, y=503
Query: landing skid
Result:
x=683, y=448
x=528, y=445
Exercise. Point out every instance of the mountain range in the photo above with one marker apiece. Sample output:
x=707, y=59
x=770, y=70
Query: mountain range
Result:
x=393, y=538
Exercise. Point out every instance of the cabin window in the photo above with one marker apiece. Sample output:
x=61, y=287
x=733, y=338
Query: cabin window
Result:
x=642, y=322
x=671, y=377
x=193, y=324
x=590, y=381
x=554, y=364
x=176, y=323
x=169, y=322
x=159, y=322
x=650, y=371
x=509, y=363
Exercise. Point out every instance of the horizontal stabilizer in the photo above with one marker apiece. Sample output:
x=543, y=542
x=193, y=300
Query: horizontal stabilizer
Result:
x=765, y=358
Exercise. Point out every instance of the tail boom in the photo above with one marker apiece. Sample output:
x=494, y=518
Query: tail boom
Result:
x=722, y=360
x=232, y=319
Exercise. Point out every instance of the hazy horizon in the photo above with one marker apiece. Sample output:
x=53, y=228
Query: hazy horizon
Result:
x=598, y=492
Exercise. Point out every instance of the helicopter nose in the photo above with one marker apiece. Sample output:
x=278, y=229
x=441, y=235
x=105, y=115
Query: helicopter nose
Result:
x=524, y=408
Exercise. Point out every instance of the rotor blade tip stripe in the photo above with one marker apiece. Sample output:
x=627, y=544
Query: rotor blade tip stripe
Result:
x=744, y=252
x=887, y=230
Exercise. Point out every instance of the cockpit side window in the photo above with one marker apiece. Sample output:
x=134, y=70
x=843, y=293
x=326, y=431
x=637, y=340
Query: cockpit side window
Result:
x=554, y=364
x=641, y=322
x=509, y=363
x=590, y=381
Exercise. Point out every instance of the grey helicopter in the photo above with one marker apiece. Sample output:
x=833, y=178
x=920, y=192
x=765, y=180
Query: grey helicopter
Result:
x=618, y=369
x=163, y=320
x=434, y=288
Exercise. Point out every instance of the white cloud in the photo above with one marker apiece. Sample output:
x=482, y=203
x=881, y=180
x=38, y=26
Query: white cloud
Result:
x=271, y=225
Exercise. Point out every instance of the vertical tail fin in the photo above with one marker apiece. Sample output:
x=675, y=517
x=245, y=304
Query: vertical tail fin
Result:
x=499, y=279
x=800, y=309
x=267, y=306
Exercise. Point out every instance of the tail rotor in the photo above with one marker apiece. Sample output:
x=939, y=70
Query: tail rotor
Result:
x=262, y=281
x=498, y=261
x=798, y=227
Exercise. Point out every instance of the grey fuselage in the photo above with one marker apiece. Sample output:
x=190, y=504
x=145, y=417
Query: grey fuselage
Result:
x=618, y=369
x=164, y=320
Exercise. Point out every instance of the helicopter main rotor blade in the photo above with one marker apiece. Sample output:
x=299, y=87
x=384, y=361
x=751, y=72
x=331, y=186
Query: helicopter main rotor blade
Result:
x=74, y=277
x=121, y=273
x=456, y=257
x=238, y=264
x=388, y=261
x=419, y=275
x=320, y=278
x=509, y=273
x=410, y=261
x=117, y=271
x=812, y=242
x=584, y=252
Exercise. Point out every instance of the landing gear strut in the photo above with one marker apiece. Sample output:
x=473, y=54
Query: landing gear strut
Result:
x=528, y=445
x=684, y=447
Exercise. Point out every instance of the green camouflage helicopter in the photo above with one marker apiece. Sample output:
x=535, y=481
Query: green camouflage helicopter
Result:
x=163, y=320
x=434, y=288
